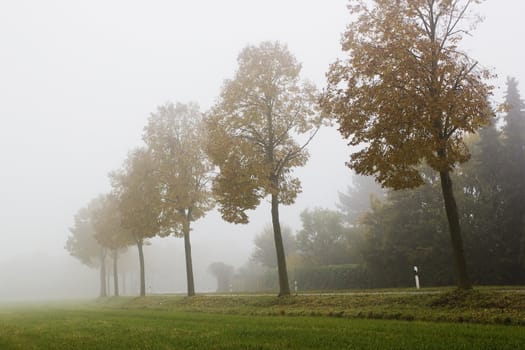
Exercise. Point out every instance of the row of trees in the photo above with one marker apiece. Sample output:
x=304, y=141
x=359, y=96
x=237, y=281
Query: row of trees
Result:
x=159, y=190
x=238, y=153
x=406, y=95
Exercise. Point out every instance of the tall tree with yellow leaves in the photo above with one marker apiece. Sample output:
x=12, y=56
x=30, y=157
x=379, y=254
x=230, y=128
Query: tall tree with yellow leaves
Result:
x=258, y=132
x=407, y=95
x=176, y=139
x=137, y=193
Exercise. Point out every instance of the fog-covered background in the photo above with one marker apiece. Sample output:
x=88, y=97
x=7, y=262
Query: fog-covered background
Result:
x=78, y=80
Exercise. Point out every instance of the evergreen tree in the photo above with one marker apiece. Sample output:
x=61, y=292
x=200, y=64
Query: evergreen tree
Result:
x=513, y=185
x=482, y=201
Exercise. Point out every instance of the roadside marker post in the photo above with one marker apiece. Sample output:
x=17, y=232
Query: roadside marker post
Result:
x=416, y=277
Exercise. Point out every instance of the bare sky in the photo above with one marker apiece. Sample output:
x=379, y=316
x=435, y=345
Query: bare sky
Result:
x=78, y=80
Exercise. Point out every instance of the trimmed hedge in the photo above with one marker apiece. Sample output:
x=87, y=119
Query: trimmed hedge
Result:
x=350, y=276
x=328, y=277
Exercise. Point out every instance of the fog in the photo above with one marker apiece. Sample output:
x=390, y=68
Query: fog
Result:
x=79, y=80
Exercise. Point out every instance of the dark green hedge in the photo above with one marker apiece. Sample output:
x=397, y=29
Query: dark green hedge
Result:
x=330, y=277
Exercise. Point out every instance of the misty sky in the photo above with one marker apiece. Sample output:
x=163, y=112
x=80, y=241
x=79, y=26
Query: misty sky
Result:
x=78, y=80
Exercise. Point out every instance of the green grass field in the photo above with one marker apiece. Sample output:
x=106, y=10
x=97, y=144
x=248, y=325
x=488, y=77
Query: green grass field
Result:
x=268, y=322
x=154, y=329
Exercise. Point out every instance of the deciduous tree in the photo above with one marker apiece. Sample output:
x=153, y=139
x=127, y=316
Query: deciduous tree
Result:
x=324, y=239
x=82, y=243
x=407, y=94
x=264, y=250
x=224, y=275
x=137, y=192
x=176, y=139
x=255, y=138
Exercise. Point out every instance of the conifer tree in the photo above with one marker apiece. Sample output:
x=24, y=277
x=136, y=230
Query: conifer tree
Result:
x=513, y=230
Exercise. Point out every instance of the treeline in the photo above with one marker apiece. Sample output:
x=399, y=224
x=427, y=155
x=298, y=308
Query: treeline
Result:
x=405, y=95
x=376, y=237
x=233, y=156
x=159, y=191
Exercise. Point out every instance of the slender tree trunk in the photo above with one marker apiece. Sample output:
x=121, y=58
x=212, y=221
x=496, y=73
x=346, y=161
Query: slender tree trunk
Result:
x=187, y=250
x=123, y=282
x=284, y=288
x=142, y=274
x=108, y=284
x=115, y=272
x=455, y=231
x=103, y=272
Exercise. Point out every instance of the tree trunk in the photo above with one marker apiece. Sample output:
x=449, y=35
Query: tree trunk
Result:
x=108, y=284
x=123, y=282
x=103, y=272
x=142, y=274
x=284, y=288
x=187, y=250
x=455, y=231
x=115, y=272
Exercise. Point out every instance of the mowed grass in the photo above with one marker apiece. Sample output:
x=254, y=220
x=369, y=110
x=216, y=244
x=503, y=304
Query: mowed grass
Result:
x=486, y=306
x=88, y=327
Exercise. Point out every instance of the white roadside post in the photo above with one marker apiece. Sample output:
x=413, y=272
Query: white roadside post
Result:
x=295, y=286
x=416, y=277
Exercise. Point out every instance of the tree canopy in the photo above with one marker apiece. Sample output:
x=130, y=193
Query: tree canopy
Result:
x=224, y=275
x=253, y=126
x=81, y=242
x=323, y=239
x=107, y=224
x=406, y=93
x=264, y=246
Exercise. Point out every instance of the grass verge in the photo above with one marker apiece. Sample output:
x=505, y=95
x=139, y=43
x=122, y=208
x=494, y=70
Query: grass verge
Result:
x=117, y=328
x=485, y=306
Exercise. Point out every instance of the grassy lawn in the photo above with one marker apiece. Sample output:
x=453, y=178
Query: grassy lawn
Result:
x=101, y=328
x=481, y=319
